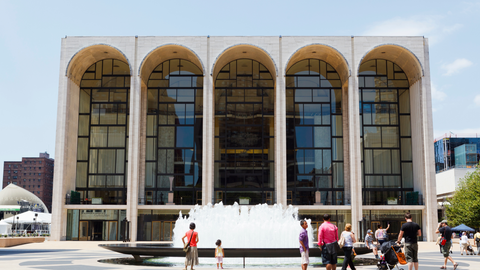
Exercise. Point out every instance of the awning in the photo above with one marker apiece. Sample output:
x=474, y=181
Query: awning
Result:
x=9, y=207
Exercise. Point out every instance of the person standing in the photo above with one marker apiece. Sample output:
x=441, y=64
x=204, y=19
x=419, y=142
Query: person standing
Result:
x=464, y=243
x=369, y=243
x=304, y=249
x=327, y=242
x=410, y=230
x=476, y=241
x=349, y=237
x=381, y=234
x=191, y=257
x=447, y=235
x=219, y=253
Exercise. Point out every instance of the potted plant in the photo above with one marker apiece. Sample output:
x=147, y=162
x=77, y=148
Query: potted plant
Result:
x=392, y=200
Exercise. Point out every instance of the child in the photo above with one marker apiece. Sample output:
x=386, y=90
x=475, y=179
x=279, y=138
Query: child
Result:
x=219, y=253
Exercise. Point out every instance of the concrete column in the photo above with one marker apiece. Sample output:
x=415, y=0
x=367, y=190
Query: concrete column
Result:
x=430, y=199
x=280, y=133
x=208, y=133
x=354, y=155
x=134, y=147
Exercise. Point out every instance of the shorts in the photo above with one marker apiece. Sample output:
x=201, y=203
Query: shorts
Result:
x=372, y=246
x=464, y=245
x=219, y=259
x=411, y=252
x=446, y=249
x=328, y=258
x=305, y=257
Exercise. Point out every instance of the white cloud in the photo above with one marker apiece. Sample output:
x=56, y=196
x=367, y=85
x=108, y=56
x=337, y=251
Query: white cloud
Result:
x=437, y=94
x=452, y=28
x=456, y=66
x=402, y=27
x=477, y=100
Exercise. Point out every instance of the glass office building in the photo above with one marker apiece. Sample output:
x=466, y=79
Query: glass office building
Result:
x=150, y=126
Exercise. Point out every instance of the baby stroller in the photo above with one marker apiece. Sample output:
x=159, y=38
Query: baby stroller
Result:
x=470, y=250
x=391, y=255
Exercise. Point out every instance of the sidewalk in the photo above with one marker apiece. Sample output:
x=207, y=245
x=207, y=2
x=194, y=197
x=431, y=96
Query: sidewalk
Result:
x=84, y=255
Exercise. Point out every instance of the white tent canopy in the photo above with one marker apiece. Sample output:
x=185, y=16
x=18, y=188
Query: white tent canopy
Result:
x=5, y=228
x=12, y=194
x=27, y=217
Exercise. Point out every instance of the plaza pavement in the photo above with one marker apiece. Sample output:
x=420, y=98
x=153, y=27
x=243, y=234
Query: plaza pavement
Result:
x=84, y=255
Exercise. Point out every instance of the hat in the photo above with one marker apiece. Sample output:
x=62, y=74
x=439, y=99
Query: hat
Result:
x=444, y=221
x=369, y=231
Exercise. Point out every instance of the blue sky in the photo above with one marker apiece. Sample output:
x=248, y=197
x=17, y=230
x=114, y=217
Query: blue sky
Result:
x=31, y=32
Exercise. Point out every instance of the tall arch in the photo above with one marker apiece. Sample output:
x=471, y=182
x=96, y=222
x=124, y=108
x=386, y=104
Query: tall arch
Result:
x=401, y=56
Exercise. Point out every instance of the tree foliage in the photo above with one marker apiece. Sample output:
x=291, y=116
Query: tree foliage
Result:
x=465, y=204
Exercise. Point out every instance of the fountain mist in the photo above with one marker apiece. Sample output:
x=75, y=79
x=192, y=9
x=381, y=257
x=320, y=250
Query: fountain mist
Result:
x=238, y=227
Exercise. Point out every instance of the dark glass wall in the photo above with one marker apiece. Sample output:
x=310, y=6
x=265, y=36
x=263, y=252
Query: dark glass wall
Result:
x=385, y=134
x=174, y=133
x=314, y=134
x=244, y=134
x=103, y=133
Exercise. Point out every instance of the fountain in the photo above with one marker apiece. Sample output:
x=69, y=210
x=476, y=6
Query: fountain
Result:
x=260, y=231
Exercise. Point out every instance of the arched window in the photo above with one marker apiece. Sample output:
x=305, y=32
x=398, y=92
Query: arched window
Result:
x=314, y=134
x=174, y=133
x=386, y=134
x=103, y=132
x=244, y=134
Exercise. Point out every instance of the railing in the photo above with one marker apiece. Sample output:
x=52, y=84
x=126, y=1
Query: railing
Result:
x=459, y=135
x=459, y=167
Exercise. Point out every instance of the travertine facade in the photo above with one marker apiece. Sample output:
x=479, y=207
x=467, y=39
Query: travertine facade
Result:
x=277, y=54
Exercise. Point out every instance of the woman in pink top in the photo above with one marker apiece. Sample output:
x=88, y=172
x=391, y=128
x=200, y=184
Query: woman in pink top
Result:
x=192, y=238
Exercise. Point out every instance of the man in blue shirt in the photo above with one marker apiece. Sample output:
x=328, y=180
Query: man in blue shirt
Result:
x=303, y=238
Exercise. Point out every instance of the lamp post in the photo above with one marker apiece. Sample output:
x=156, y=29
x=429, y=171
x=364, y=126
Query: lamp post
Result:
x=35, y=220
x=16, y=228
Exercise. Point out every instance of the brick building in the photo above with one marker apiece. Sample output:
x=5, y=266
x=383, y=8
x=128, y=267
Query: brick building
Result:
x=34, y=174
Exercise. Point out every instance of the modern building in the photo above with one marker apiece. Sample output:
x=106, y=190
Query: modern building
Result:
x=455, y=156
x=150, y=126
x=34, y=174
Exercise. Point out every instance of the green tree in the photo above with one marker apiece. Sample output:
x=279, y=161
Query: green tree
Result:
x=465, y=204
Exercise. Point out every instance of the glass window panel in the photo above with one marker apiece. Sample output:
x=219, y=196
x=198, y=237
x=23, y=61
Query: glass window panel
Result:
x=95, y=114
x=189, y=114
x=380, y=114
x=122, y=114
x=116, y=136
x=162, y=114
x=404, y=101
x=371, y=95
x=390, y=137
x=170, y=157
x=381, y=67
x=318, y=161
x=373, y=181
x=108, y=114
x=84, y=106
x=308, y=81
x=368, y=161
x=81, y=180
x=322, y=137
x=82, y=149
x=299, y=68
x=407, y=175
x=166, y=136
x=369, y=81
x=305, y=181
x=107, y=66
x=396, y=161
x=367, y=113
x=152, y=100
x=179, y=113
x=93, y=161
x=120, y=161
x=309, y=161
x=323, y=181
x=118, y=95
x=321, y=95
x=337, y=101
x=303, y=95
x=184, y=137
x=405, y=129
x=96, y=181
x=174, y=67
x=337, y=125
x=382, y=162
x=303, y=136
x=162, y=161
x=338, y=178
x=372, y=137
x=327, y=161
x=337, y=149
x=150, y=174
x=406, y=149
x=98, y=136
x=393, y=114
x=388, y=95
x=312, y=114
x=106, y=161
x=100, y=95
x=323, y=69
x=186, y=95
x=300, y=161
x=151, y=125
x=151, y=148
x=114, y=181
x=326, y=114
x=314, y=67
x=392, y=181
x=368, y=68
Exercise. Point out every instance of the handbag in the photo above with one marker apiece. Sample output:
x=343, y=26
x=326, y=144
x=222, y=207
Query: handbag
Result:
x=341, y=242
x=400, y=257
x=186, y=248
x=443, y=241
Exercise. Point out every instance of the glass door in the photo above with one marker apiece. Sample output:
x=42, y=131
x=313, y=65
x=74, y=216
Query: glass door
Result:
x=83, y=231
